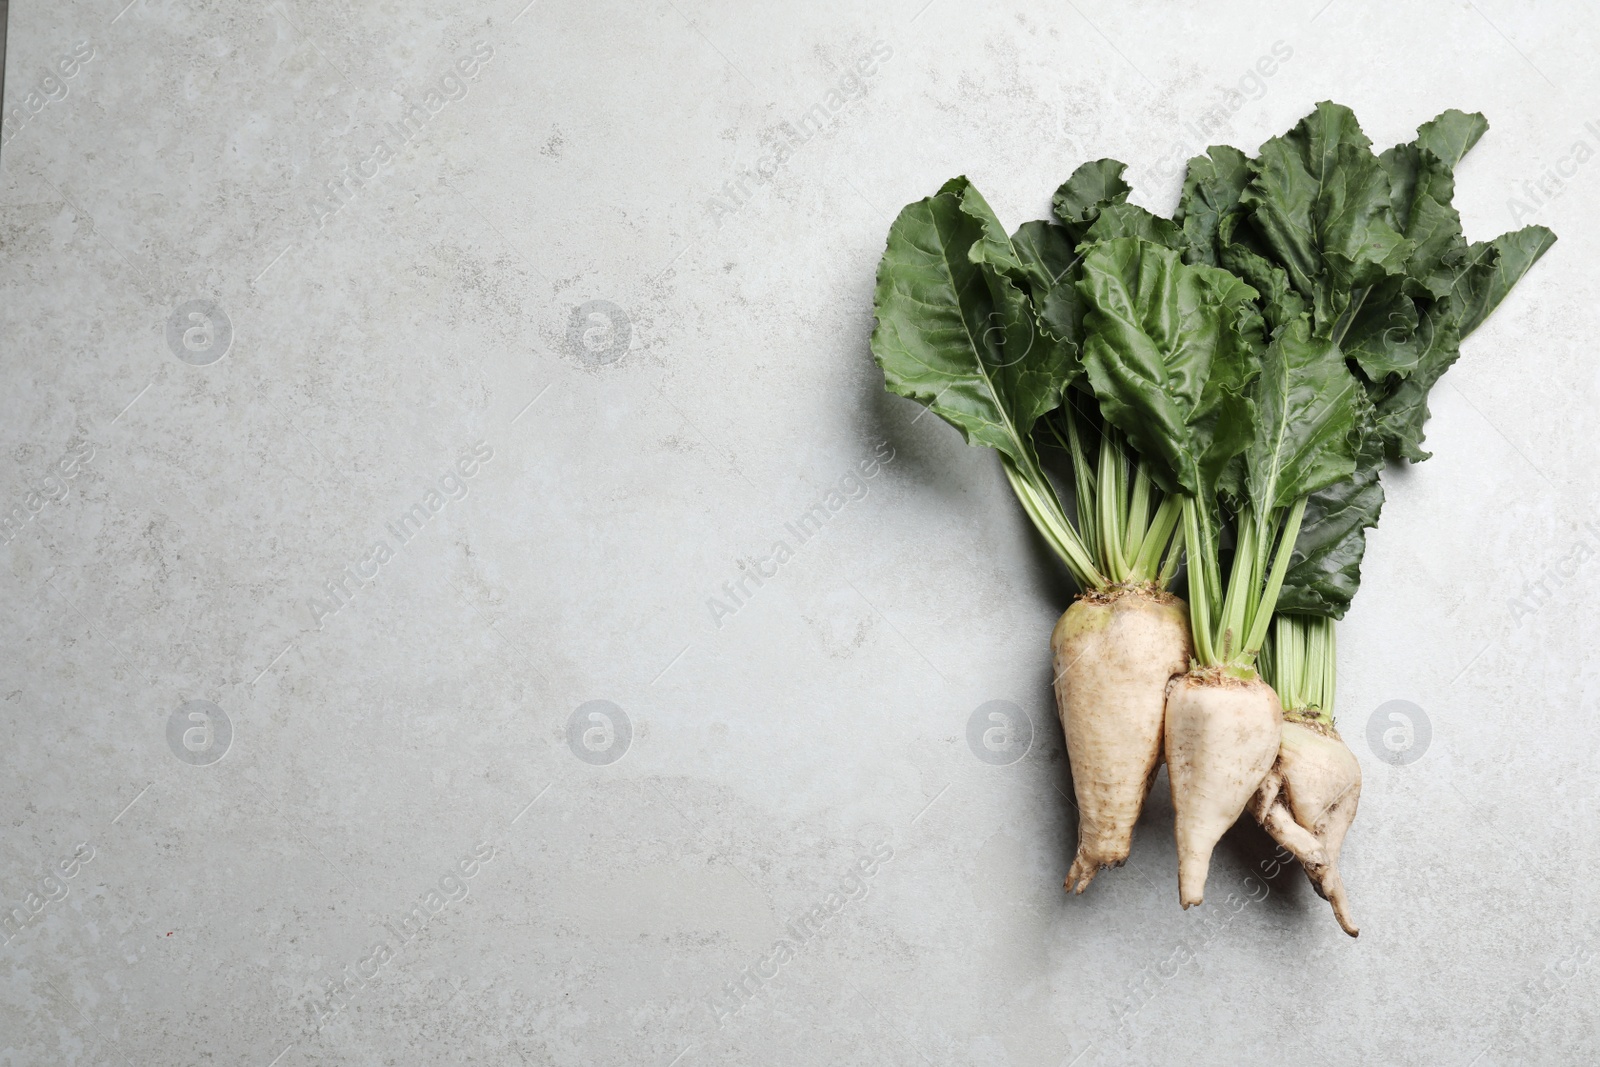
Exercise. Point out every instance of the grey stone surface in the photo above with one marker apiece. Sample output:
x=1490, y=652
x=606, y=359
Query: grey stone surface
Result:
x=714, y=383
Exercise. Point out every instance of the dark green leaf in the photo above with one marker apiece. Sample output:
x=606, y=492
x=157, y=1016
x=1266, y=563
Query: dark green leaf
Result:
x=1490, y=270
x=1131, y=220
x=1169, y=351
x=1211, y=191
x=1047, y=257
x=1280, y=304
x=1326, y=130
x=1306, y=406
x=1081, y=197
x=1402, y=407
x=1358, y=241
x=991, y=244
x=1381, y=335
x=955, y=332
x=1233, y=481
x=1325, y=568
x=1452, y=135
x=1421, y=190
x=1321, y=202
x=1482, y=280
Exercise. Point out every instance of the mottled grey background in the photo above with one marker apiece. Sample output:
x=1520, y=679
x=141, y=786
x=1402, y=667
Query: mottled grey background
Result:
x=590, y=280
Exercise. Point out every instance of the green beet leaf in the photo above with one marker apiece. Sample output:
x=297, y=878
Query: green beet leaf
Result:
x=1489, y=271
x=1131, y=220
x=1325, y=569
x=1168, y=350
x=1452, y=134
x=1422, y=187
x=956, y=332
x=1091, y=205
x=1306, y=407
x=1280, y=304
x=1212, y=188
x=1320, y=200
x=1381, y=331
x=1047, y=256
x=1080, y=199
x=1482, y=280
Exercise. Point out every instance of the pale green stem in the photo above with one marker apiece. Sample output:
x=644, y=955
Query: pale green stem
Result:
x=1327, y=659
x=1045, y=512
x=1169, y=569
x=1157, y=537
x=1236, y=600
x=1138, y=515
x=1198, y=547
x=1112, y=483
x=1280, y=567
x=1293, y=656
x=1084, y=482
x=1304, y=667
x=1285, y=659
x=1266, y=524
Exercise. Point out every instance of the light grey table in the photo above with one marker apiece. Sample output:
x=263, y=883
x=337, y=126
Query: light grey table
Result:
x=565, y=306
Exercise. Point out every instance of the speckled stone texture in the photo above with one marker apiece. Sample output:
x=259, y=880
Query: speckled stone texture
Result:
x=458, y=418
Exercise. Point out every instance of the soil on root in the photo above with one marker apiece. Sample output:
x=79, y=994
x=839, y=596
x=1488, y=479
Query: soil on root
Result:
x=1311, y=719
x=1113, y=593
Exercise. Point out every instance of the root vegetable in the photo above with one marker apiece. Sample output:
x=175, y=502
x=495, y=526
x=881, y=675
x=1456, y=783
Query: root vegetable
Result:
x=1249, y=363
x=1247, y=429
x=1114, y=655
x=1307, y=804
x=1309, y=800
x=985, y=330
x=1399, y=332
x=1222, y=736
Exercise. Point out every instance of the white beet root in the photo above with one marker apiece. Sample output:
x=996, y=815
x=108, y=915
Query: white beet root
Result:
x=1222, y=736
x=1113, y=658
x=1307, y=804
